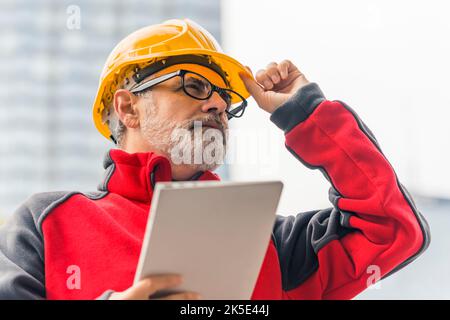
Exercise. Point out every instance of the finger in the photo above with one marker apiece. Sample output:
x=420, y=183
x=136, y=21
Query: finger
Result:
x=263, y=78
x=252, y=86
x=288, y=67
x=148, y=286
x=284, y=68
x=182, y=296
x=274, y=73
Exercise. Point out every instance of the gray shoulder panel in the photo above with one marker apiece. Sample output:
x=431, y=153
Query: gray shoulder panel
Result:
x=40, y=204
x=22, y=262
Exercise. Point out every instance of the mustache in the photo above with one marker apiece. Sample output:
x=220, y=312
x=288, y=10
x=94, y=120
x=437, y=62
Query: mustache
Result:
x=209, y=120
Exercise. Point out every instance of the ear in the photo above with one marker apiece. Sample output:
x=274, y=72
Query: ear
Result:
x=126, y=108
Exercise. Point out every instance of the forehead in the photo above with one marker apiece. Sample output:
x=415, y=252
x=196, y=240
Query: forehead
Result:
x=209, y=74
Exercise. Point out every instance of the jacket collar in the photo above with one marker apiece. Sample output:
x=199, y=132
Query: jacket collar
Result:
x=134, y=175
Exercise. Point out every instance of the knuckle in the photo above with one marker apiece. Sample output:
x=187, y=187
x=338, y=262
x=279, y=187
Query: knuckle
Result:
x=148, y=283
x=272, y=72
x=268, y=84
x=260, y=74
x=262, y=79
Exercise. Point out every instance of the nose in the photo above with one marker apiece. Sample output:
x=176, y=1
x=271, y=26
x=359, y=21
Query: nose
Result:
x=215, y=102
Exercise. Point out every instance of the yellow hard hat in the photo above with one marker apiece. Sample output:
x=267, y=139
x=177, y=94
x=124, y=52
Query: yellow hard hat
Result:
x=182, y=41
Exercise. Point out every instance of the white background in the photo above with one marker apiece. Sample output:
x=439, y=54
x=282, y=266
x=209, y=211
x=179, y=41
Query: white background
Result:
x=389, y=60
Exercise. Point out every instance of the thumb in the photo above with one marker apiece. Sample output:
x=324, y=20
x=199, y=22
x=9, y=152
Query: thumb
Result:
x=252, y=86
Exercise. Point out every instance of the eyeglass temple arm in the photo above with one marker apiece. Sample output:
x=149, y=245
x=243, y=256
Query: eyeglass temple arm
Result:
x=154, y=82
x=242, y=106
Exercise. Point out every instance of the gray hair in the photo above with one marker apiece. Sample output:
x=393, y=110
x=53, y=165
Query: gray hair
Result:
x=116, y=126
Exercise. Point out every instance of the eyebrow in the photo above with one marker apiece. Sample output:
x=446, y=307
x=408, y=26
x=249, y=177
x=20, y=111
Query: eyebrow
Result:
x=198, y=81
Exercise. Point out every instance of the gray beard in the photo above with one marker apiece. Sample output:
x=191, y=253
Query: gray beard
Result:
x=184, y=144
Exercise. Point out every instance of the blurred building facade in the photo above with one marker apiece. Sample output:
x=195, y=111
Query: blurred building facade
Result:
x=51, y=56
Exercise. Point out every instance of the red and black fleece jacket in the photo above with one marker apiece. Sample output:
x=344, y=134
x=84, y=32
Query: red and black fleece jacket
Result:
x=330, y=253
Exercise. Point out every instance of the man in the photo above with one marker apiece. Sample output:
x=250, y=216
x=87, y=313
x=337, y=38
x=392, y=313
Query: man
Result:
x=172, y=78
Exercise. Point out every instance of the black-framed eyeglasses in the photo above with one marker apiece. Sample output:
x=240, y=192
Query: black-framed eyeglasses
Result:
x=198, y=87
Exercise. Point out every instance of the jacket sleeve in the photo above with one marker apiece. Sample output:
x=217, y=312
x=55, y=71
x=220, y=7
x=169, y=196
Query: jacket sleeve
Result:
x=21, y=258
x=373, y=227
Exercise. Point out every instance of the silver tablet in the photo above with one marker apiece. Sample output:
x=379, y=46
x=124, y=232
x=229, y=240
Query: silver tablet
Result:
x=215, y=234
